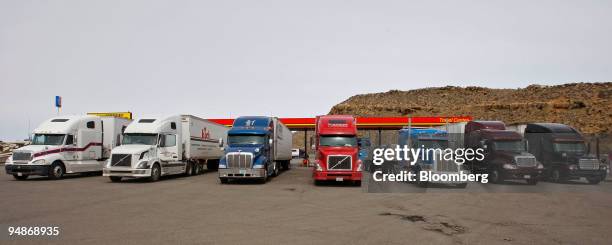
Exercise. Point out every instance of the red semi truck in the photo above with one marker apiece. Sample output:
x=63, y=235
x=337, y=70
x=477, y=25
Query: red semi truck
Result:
x=335, y=145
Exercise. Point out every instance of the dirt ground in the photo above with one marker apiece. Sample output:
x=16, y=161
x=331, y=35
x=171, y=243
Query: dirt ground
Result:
x=289, y=209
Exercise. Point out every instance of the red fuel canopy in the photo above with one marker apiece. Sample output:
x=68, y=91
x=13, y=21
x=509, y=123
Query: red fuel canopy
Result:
x=308, y=123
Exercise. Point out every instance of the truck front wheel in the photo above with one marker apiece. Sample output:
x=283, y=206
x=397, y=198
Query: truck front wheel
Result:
x=22, y=177
x=115, y=178
x=188, y=169
x=57, y=170
x=155, y=173
x=286, y=164
x=224, y=180
x=496, y=177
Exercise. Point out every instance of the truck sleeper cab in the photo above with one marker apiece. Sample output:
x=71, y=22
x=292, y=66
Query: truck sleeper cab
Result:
x=337, y=151
x=429, y=138
x=66, y=145
x=258, y=148
x=155, y=147
x=562, y=150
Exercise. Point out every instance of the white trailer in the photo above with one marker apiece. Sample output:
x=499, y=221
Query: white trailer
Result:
x=283, y=141
x=67, y=144
x=158, y=146
x=455, y=132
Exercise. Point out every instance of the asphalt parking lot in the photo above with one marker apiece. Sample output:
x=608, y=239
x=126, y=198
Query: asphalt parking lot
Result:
x=289, y=209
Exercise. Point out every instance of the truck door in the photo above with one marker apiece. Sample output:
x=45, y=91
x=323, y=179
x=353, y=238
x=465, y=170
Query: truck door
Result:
x=88, y=139
x=168, y=153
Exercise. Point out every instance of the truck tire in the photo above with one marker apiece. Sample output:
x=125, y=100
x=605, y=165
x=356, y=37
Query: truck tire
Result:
x=276, y=169
x=115, y=178
x=356, y=183
x=22, y=177
x=188, y=169
x=594, y=180
x=212, y=165
x=197, y=168
x=57, y=170
x=318, y=182
x=532, y=181
x=496, y=177
x=224, y=180
x=155, y=173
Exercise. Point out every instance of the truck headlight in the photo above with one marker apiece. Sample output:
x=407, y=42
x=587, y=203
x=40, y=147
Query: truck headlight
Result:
x=509, y=166
x=39, y=161
x=258, y=166
x=540, y=166
x=359, y=166
x=318, y=166
x=143, y=165
x=256, y=149
x=573, y=167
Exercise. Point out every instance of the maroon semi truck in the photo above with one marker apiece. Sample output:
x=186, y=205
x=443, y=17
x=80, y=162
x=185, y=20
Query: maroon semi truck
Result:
x=505, y=151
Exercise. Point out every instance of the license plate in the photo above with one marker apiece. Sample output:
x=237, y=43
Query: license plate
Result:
x=242, y=171
x=339, y=179
x=527, y=176
x=19, y=174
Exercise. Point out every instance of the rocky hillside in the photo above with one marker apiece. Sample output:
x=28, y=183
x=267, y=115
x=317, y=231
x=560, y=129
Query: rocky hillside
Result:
x=586, y=106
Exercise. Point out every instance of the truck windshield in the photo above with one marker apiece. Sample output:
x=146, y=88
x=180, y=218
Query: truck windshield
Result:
x=139, y=139
x=433, y=144
x=338, y=141
x=245, y=139
x=574, y=147
x=48, y=139
x=509, y=145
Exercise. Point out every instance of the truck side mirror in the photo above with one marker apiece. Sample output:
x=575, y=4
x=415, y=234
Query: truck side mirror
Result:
x=220, y=142
x=270, y=141
x=313, y=147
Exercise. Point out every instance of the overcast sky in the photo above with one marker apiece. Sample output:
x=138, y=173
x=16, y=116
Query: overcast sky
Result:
x=285, y=58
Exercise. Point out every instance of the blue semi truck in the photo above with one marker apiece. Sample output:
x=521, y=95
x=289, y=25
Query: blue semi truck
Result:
x=258, y=147
x=428, y=138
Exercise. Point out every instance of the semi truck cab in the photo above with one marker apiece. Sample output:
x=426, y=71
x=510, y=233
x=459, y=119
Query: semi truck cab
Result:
x=258, y=147
x=67, y=144
x=505, y=151
x=337, y=151
x=429, y=138
x=563, y=152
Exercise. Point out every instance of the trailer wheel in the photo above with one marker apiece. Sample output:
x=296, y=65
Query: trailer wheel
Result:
x=22, y=177
x=155, y=173
x=224, y=180
x=594, y=180
x=115, y=178
x=57, y=170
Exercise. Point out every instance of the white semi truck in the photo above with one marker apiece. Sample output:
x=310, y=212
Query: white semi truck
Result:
x=158, y=146
x=66, y=145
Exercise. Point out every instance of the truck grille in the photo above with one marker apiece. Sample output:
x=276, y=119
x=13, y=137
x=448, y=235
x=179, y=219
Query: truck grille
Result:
x=447, y=166
x=22, y=156
x=240, y=160
x=339, y=162
x=588, y=164
x=121, y=160
x=525, y=161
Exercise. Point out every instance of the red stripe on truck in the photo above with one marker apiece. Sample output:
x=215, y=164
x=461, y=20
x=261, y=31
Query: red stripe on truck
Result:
x=66, y=149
